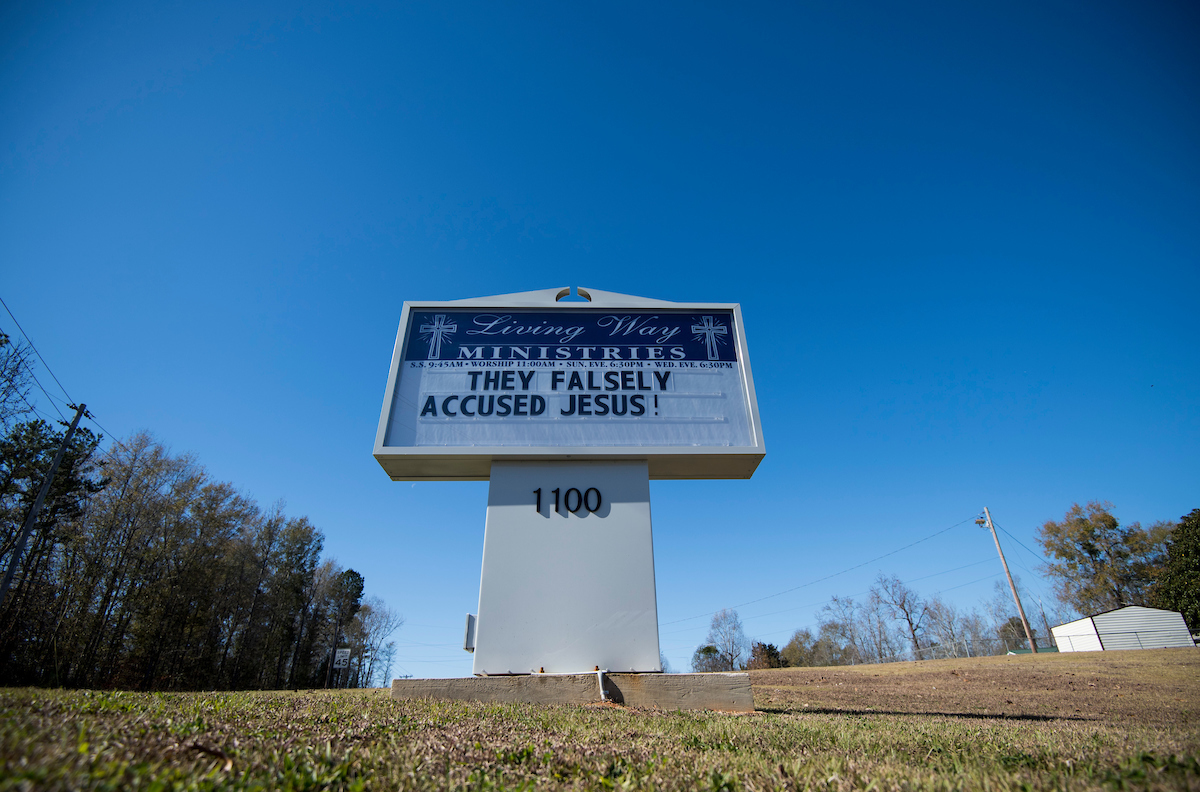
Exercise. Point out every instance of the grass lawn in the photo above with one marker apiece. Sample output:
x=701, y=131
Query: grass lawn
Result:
x=1113, y=720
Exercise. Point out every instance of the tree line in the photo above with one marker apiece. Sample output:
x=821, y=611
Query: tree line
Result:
x=143, y=572
x=1095, y=563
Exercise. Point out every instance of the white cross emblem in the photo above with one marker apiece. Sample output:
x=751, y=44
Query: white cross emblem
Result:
x=436, y=333
x=710, y=330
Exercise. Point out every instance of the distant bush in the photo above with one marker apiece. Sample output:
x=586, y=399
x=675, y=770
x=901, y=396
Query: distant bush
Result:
x=765, y=655
x=707, y=658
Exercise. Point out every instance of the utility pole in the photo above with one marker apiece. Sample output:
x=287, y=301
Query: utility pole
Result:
x=1011, y=585
x=37, y=505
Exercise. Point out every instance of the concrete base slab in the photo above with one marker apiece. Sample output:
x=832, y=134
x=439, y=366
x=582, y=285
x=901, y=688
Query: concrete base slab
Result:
x=721, y=692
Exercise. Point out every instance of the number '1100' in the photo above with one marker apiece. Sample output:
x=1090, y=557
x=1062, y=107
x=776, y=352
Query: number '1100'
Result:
x=572, y=500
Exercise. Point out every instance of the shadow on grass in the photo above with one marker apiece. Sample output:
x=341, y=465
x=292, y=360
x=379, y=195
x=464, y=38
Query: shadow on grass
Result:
x=962, y=715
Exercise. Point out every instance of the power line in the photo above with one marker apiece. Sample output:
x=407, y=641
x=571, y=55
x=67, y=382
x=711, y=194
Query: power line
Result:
x=860, y=593
x=913, y=580
x=35, y=351
x=776, y=613
x=47, y=418
x=1018, y=541
x=941, y=591
x=1037, y=581
x=948, y=571
x=88, y=415
x=418, y=643
x=33, y=409
x=29, y=370
x=968, y=583
x=1020, y=562
x=827, y=577
x=48, y=396
x=109, y=434
x=46, y=393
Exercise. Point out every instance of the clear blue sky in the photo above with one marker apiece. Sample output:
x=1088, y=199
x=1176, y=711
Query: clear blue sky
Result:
x=965, y=239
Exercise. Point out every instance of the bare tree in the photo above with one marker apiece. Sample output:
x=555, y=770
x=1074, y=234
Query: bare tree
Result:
x=16, y=377
x=904, y=604
x=880, y=641
x=727, y=637
x=1002, y=613
x=383, y=663
x=944, y=625
x=377, y=622
x=1001, y=608
x=839, y=627
x=956, y=633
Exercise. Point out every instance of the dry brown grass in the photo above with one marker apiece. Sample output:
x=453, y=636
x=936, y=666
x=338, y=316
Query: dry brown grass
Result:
x=1156, y=688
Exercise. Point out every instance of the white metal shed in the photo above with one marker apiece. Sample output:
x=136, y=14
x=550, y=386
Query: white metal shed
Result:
x=1131, y=627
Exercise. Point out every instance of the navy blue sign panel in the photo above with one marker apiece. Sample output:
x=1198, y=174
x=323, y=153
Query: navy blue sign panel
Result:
x=584, y=335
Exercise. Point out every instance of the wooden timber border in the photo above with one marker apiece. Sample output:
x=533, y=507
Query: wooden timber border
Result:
x=723, y=692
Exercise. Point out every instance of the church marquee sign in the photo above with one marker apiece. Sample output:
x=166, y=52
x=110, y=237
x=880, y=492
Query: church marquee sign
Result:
x=526, y=377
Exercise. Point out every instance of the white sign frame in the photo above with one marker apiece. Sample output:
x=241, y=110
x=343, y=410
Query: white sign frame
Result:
x=473, y=463
x=561, y=591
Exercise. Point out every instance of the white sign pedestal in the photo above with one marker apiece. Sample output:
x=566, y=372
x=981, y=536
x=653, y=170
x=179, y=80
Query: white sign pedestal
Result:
x=567, y=587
